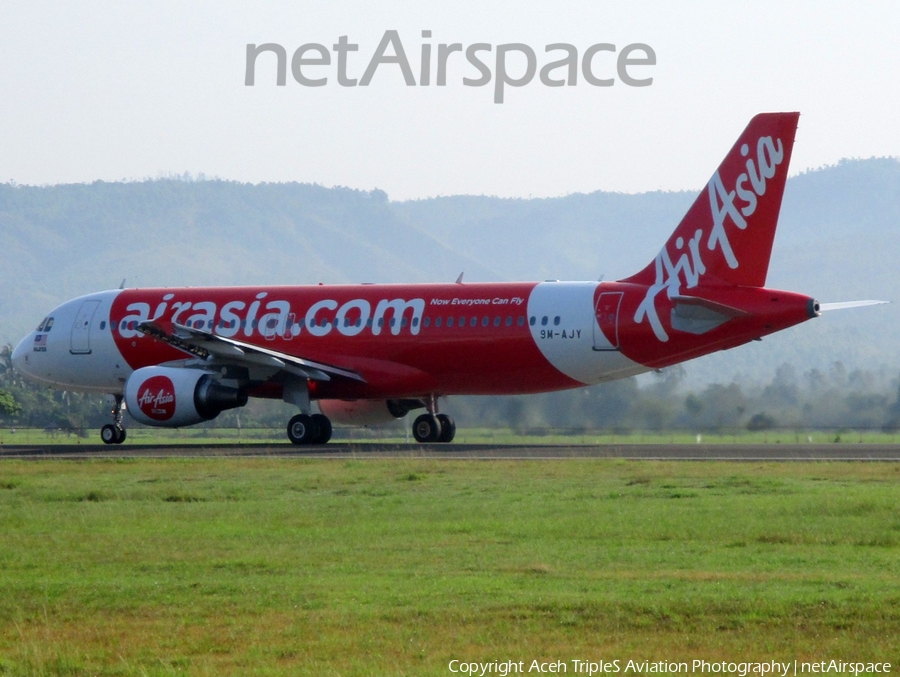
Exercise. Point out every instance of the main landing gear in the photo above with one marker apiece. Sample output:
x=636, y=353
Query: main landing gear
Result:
x=432, y=426
x=114, y=433
x=309, y=429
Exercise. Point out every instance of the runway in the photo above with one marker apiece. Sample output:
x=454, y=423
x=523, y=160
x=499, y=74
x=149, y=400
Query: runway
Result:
x=486, y=452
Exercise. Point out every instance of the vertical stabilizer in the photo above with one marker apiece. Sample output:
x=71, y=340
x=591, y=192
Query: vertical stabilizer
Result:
x=726, y=236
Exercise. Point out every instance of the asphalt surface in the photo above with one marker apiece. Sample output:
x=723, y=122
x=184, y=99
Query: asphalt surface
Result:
x=667, y=452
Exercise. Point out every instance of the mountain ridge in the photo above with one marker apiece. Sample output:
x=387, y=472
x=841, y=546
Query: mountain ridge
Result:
x=836, y=240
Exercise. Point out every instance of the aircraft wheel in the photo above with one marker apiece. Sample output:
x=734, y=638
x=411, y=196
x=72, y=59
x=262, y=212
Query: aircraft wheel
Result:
x=426, y=428
x=122, y=434
x=109, y=434
x=323, y=423
x=448, y=428
x=302, y=429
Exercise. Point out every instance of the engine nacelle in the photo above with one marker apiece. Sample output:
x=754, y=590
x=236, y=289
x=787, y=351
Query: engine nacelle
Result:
x=170, y=397
x=364, y=412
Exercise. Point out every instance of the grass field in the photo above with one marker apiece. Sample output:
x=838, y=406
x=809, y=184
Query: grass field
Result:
x=396, y=567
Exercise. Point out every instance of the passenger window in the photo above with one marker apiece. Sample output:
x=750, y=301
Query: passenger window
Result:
x=497, y=321
x=556, y=321
x=532, y=320
x=509, y=320
x=426, y=321
x=404, y=322
x=449, y=321
x=462, y=322
x=521, y=321
x=485, y=321
x=437, y=321
x=544, y=321
x=369, y=323
x=102, y=324
x=473, y=322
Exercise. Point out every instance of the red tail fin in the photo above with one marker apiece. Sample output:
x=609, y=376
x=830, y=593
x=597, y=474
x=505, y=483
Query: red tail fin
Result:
x=726, y=236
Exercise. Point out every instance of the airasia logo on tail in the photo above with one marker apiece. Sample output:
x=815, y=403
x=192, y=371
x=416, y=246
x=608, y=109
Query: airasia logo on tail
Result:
x=156, y=398
x=686, y=265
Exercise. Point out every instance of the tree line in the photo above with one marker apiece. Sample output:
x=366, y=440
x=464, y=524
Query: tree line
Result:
x=816, y=399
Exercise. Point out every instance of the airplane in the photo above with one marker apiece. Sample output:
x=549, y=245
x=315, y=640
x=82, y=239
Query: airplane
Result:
x=368, y=354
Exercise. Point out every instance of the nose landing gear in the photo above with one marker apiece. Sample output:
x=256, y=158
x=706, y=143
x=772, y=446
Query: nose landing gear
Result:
x=114, y=433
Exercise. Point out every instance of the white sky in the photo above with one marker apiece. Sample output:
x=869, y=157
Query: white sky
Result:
x=112, y=90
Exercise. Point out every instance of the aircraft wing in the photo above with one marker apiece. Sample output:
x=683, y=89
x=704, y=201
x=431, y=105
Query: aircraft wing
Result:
x=206, y=345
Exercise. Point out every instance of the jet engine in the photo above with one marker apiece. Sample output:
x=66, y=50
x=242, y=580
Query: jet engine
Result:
x=366, y=412
x=171, y=397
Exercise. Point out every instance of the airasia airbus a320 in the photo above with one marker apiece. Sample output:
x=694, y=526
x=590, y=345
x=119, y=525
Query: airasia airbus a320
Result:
x=364, y=354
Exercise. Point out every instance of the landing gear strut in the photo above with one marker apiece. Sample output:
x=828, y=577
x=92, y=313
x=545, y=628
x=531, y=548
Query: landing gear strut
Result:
x=309, y=429
x=433, y=427
x=114, y=433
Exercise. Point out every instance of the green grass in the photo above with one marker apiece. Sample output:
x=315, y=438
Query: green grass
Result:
x=395, y=567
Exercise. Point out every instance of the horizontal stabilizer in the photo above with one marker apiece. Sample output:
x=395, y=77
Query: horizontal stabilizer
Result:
x=843, y=305
x=698, y=316
x=720, y=308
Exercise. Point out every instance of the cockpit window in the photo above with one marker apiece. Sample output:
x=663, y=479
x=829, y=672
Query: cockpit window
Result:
x=45, y=325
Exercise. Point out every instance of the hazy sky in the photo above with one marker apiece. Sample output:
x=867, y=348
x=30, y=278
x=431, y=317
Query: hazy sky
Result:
x=112, y=90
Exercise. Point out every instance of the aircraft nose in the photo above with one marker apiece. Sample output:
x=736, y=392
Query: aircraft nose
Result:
x=19, y=356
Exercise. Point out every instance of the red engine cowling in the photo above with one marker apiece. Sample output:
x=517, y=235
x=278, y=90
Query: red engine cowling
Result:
x=363, y=412
x=170, y=397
